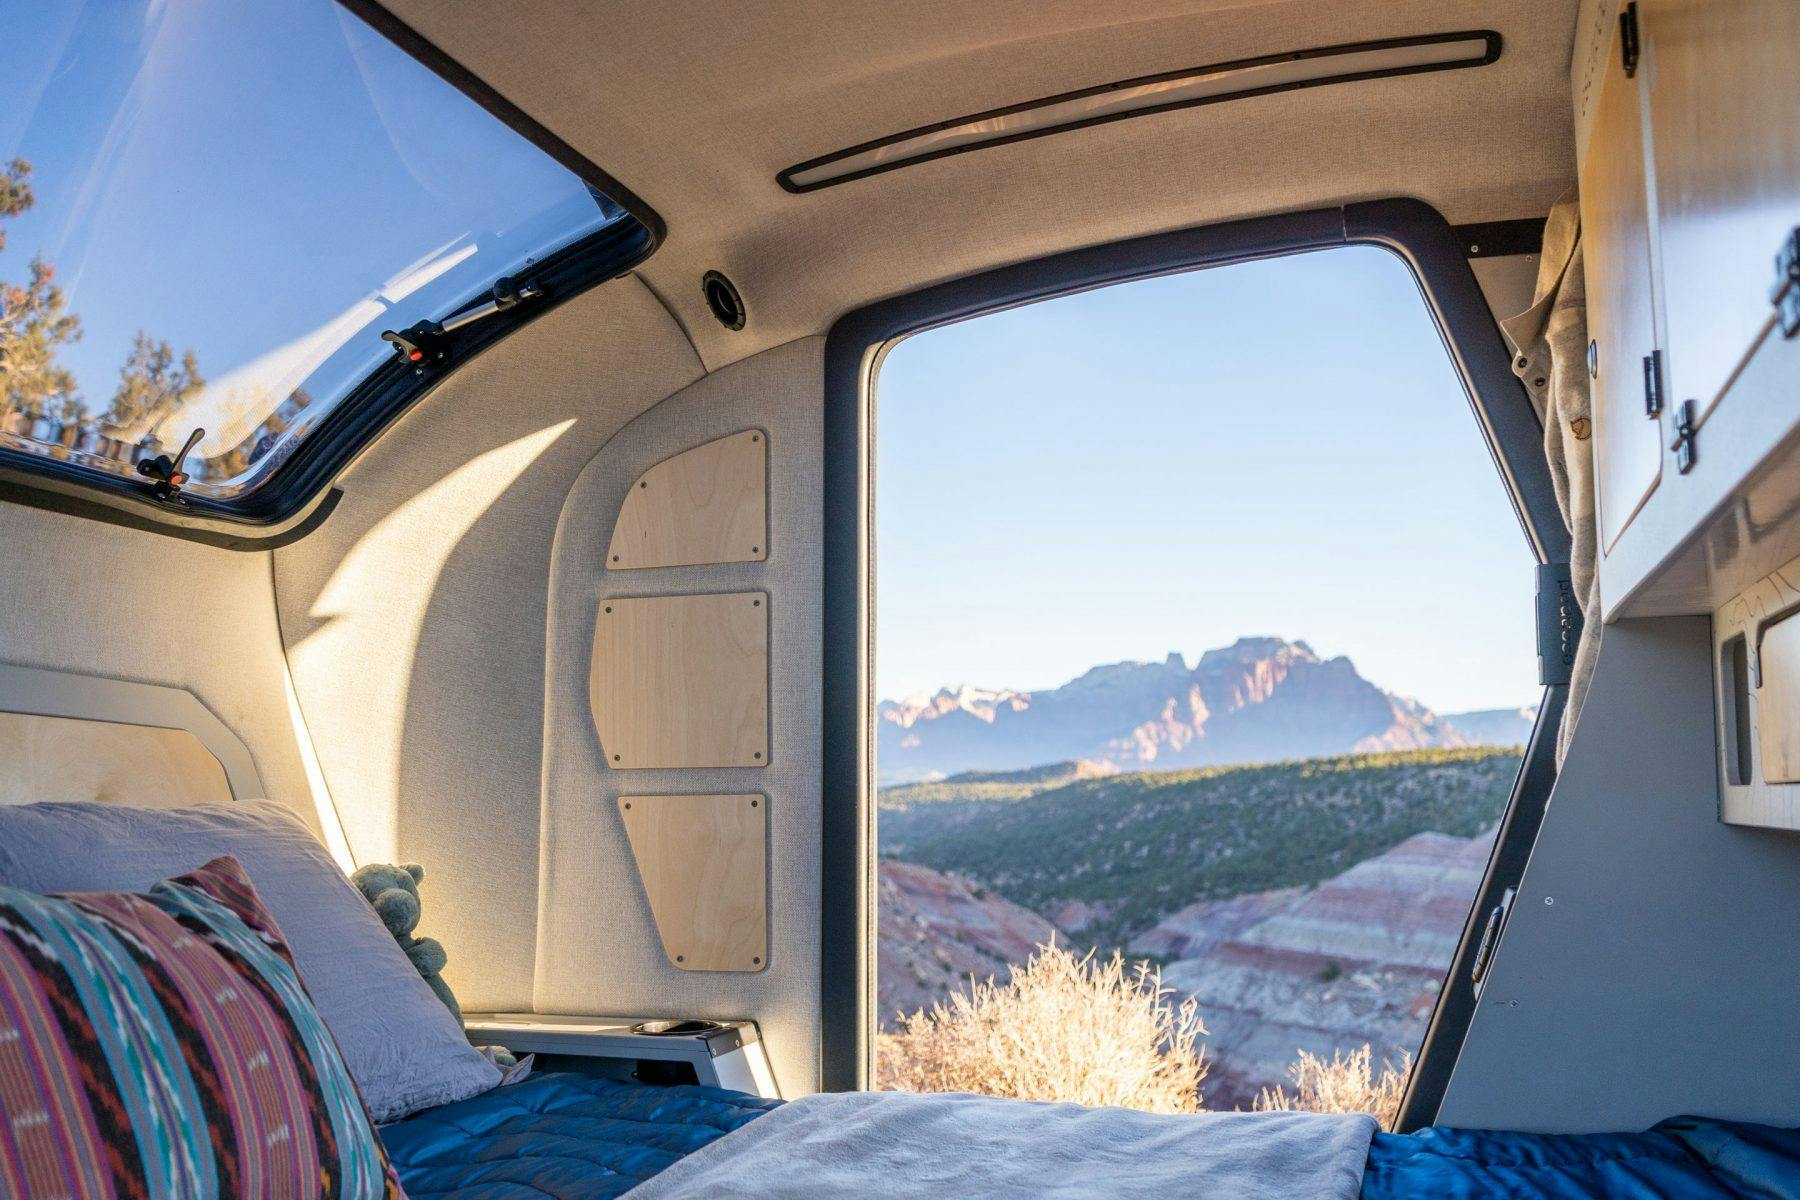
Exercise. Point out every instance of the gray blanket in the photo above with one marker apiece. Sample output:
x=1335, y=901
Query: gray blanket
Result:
x=881, y=1145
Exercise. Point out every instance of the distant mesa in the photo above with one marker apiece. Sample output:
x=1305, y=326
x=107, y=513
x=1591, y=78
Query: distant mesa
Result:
x=1261, y=699
x=1495, y=726
x=1061, y=772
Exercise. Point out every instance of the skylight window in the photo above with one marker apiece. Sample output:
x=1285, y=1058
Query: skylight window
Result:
x=211, y=210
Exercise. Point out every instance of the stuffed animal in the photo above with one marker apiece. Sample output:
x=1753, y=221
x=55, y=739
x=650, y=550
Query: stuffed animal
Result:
x=394, y=894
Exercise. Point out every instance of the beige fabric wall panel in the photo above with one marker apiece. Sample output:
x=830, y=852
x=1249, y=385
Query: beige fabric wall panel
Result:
x=414, y=617
x=598, y=950
x=94, y=599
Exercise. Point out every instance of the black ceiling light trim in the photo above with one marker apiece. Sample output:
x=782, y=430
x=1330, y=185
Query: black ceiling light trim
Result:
x=807, y=177
x=723, y=299
x=511, y=115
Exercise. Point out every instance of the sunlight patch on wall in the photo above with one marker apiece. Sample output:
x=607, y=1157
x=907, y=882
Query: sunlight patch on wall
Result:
x=372, y=615
x=331, y=825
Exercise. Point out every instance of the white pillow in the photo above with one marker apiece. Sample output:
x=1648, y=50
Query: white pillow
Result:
x=403, y=1047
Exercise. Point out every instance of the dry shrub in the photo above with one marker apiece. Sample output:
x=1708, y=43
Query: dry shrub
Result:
x=1346, y=1084
x=1062, y=1028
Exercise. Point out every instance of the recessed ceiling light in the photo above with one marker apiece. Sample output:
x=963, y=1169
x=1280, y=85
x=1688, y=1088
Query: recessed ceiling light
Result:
x=1148, y=94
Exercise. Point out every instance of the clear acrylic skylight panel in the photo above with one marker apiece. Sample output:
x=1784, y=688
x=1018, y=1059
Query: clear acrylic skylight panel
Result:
x=211, y=209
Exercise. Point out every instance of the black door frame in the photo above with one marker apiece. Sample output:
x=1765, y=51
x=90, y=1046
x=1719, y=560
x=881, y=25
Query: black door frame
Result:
x=1438, y=259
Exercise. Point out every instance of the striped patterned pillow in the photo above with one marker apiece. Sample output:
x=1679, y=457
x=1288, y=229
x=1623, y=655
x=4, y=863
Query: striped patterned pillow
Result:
x=162, y=1046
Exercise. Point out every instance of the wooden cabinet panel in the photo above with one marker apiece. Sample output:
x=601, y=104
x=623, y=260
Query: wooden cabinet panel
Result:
x=1726, y=156
x=705, y=505
x=1615, y=223
x=682, y=681
x=1757, y=681
x=704, y=866
x=60, y=758
x=1721, y=132
x=1778, y=725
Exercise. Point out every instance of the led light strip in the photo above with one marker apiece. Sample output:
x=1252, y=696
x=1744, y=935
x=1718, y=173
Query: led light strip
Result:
x=1144, y=95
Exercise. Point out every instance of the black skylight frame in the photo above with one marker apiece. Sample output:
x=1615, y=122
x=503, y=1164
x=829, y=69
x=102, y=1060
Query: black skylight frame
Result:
x=1437, y=256
x=1490, y=37
x=297, y=495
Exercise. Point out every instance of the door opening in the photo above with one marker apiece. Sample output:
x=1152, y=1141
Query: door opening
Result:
x=1204, y=656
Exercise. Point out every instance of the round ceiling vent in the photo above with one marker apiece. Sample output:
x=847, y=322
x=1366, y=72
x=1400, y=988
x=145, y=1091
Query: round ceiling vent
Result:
x=722, y=297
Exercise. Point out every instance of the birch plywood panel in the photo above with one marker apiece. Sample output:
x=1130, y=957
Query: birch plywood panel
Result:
x=1759, y=713
x=705, y=505
x=1726, y=157
x=62, y=758
x=1778, y=704
x=682, y=681
x=1615, y=223
x=704, y=868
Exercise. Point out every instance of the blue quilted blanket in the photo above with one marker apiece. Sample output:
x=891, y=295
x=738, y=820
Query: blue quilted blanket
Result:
x=1687, y=1157
x=571, y=1137
x=559, y=1137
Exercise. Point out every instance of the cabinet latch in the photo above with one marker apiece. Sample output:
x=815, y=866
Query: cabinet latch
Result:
x=1683, y=445
x=1490, y=939
x=1558, y=623
x=1653, y=384
x=1785, y=295
x=1628, y=39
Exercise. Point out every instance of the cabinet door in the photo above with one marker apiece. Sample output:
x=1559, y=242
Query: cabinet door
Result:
x=1726, y=151
x=1615, y=233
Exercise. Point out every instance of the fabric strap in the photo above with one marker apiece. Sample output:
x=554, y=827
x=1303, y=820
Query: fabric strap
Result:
x=1549, y=342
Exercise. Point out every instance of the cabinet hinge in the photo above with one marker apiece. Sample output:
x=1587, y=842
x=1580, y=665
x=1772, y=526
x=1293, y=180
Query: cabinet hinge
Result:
x=1653, y=384
x=1628, y=39
x=1683, y=445
x=1785, y=296
x=1558, y=623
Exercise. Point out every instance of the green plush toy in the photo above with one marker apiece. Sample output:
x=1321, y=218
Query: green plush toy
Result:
x=394, y=894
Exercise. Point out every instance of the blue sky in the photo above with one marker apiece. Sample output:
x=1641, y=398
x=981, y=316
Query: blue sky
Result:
x=230, y=175
x=1279, y=448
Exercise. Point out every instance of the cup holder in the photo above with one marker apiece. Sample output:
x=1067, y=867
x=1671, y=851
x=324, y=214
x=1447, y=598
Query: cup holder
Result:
x=675, y=1028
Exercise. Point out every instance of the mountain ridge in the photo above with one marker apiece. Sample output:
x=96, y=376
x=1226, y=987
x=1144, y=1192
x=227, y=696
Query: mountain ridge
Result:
x=1260, y=699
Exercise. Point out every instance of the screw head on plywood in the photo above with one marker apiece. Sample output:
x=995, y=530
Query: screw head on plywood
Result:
x=705, y=505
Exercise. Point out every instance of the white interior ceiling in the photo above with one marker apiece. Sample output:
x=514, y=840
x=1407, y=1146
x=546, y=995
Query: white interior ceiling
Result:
x=696, y=106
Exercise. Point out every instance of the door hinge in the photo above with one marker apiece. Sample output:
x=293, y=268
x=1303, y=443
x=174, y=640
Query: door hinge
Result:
x=1628, y=39
x=1558, y=624
x=1786, y=294
x=1653, y=384
x=1490, y=939
x=1683, y=445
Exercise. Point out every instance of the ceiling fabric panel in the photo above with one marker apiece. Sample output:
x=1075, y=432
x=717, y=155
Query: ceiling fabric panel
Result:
x=698, y=107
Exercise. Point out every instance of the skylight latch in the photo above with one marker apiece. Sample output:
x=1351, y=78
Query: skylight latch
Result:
x=165, y=473
x=422, y=346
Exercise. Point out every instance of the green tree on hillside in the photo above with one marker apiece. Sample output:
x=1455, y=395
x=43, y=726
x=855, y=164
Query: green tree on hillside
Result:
x=152, y=383
x=34, y=326
x=34, y=322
